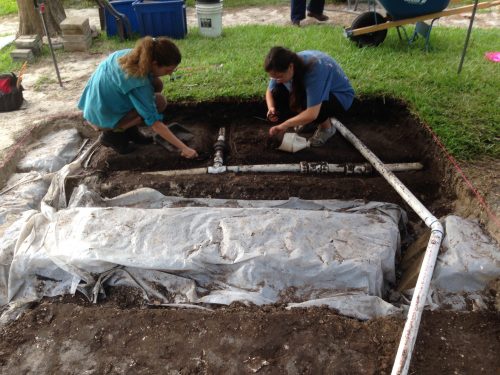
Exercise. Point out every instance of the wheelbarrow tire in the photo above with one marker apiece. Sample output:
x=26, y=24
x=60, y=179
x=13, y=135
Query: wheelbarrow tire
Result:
x=370, y=39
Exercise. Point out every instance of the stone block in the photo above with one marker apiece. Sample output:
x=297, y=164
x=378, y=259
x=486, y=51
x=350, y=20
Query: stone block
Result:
x=77, y=43
x=33, y=42
x=75, y=26
x=22, y=55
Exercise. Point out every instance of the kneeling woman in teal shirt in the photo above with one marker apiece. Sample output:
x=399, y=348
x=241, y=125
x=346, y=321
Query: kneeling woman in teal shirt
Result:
x=125, y=91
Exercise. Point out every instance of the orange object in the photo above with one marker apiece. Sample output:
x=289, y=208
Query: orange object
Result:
x=20, y=75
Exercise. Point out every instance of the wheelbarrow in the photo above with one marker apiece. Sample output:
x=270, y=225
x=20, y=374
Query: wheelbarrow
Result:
x=370, y=28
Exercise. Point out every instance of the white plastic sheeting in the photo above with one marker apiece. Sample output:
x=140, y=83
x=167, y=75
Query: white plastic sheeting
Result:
x=355, y=305
x=468, y=261
x=204, y=250
x=260, y=254
x=51, y=152
x=7, y=246
x=23, y=192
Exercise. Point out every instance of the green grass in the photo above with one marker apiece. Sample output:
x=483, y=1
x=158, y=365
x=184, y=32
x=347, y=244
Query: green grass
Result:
x=8, y=7
x=461, y=109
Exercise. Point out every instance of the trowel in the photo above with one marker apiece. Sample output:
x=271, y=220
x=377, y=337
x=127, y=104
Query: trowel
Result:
x=184, y=135
x=179, y=131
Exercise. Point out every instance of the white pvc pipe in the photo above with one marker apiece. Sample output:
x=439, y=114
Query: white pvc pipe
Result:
x=264, y=168
x=409, y=335
x=303, y=167
x=179, y=172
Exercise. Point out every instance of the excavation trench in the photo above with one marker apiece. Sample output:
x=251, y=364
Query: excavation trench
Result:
x=385, y=126
x=126, y=333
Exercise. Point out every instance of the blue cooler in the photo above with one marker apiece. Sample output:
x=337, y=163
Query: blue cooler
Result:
x=125, y=7
x=161, y=18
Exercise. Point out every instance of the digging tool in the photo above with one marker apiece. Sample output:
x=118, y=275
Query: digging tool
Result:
x=184, y=135
x=179, y=131
x=40, y=5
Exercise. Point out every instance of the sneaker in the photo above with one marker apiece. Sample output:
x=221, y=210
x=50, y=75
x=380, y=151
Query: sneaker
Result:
x=319, y=17
x=134, y=135
x=321, y=136
x=116, y=141
x=333, y=120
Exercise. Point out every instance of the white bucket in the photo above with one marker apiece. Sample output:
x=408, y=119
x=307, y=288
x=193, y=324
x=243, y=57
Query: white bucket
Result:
x=293, y=143
x=209, y=18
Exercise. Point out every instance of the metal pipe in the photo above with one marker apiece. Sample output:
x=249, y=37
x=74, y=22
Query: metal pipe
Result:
x=409, y=335
x=302, y=167
x=466, y=43
x=40, y=5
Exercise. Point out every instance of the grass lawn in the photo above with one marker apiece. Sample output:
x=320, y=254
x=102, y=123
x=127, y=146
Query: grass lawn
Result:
x=461, y=109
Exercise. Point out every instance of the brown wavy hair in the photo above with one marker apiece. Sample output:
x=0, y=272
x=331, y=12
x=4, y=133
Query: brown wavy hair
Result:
x=279, y=59
x=137, y=63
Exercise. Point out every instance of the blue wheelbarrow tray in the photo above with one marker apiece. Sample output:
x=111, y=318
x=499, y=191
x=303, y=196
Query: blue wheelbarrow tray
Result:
x=401, y=9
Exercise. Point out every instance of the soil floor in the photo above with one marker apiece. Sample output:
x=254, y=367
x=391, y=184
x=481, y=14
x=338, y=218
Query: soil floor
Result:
x=123, y=335
x=69, y=336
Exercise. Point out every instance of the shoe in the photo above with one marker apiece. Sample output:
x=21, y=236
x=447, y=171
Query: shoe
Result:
x=321, y=136
x=296, y=23
x=319, y=17
x=116, y=141
x=134, y=135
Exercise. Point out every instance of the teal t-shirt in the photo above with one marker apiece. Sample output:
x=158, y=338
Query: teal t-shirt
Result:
x=110, y=94
x=323, y=78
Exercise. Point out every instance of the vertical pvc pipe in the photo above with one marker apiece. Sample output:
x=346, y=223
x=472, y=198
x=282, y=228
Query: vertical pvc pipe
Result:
x=410, y=331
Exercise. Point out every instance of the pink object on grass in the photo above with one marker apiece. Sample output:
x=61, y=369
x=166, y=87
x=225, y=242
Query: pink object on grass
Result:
x=493, y=56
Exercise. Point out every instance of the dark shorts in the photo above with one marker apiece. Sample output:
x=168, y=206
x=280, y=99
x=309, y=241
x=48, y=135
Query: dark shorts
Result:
x=329, y=108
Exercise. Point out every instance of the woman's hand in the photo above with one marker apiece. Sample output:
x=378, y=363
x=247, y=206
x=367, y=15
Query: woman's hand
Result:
x=277, y=130
x=188, y=153
x=272, y=115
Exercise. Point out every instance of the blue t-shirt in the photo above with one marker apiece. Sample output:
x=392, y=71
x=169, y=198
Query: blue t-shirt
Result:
x=323, y=78
x=110, y=94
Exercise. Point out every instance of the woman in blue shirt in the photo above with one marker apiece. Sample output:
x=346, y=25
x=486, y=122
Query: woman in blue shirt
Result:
x=125, y=92
x=305, y=87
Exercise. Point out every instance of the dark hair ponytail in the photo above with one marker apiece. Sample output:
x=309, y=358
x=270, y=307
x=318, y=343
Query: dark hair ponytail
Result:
x=278, y=60
x=137, y=63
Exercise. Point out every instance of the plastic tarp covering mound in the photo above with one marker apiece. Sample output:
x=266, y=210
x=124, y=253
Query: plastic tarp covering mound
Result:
x=218, y=251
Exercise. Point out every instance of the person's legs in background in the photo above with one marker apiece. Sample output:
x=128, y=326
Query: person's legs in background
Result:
x=315, y=10
x=298, y=11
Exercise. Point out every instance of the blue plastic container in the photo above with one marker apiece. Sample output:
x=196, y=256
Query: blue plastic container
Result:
x=161, y=18
x=125, y=7
x=401, y=9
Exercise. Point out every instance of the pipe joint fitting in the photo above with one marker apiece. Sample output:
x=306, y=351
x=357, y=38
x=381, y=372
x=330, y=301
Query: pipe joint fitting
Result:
x=316, y=168
x=220, y=145
x=217, y=169
x=363, y=169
